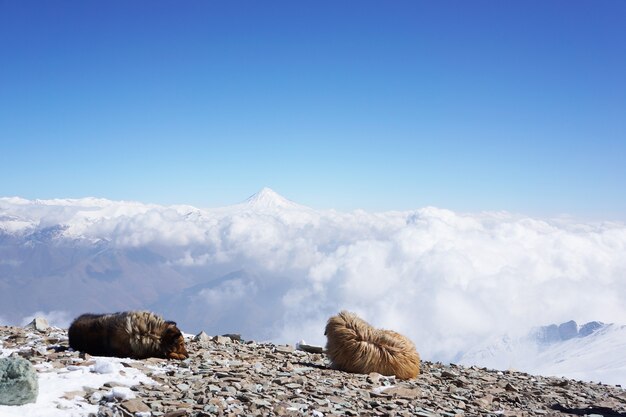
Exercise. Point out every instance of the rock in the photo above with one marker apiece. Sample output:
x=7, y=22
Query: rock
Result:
x=374, y=377
x=235, y=337
x=283, y=348
x=309, y=348
x=261, y=403
x=202, y=337
x=485, y=401
x=18, y=382
x=403, y=392
x=39, y=323
x=511, y=387
x=222, y=340
x=73, y=394
x=177, y=413
x=135, y=406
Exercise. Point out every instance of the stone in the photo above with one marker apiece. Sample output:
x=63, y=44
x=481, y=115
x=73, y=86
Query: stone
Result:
x=309, y=348
x=222, y=340
x=39, y=323
x=202, y=337
x=182, y=387
x=374, y=377
x=177, y=413
x=135, y=406
x=283, y=349
x=235, y=337
x=484, y=401
x=18, y=382
x=403, y=392
x=73, y=394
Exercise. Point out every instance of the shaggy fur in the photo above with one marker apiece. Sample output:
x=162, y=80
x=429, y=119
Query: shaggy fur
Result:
x=131, y=334
x=355, y=346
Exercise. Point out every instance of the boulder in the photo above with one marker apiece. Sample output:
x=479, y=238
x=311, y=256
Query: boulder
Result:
x=39, y=323
x=18, y=382
x=202, y=337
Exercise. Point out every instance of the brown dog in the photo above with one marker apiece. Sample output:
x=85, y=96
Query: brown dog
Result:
x=131, y=334
x=355, y=346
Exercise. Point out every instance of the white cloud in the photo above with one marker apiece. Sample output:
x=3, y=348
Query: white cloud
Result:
x=445, y=279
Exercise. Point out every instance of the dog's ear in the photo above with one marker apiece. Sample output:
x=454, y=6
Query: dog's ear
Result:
x=171, y=332
x=172, y=323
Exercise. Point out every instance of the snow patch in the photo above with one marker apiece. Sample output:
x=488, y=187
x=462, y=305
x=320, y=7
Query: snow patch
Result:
x=55, y=383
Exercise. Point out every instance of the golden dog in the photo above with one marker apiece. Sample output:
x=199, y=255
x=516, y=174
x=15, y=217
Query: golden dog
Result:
x=131, y=334
x=355, y=346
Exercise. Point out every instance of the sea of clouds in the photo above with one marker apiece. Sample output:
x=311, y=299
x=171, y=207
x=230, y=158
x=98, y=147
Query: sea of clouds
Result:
x=448, y=280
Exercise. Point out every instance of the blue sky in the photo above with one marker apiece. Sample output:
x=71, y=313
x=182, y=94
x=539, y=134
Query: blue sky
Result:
x=471, y=106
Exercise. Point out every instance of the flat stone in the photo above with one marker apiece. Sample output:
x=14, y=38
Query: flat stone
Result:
x=310, y=348
x=177, y=413
x=70, y=395
x=403, y=392
x=135, y=406
x=261, y=403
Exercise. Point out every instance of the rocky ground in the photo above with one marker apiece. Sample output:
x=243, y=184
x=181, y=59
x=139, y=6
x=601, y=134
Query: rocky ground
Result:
x=225, y=376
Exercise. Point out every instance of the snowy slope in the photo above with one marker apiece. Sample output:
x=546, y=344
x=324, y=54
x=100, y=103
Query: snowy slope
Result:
x=594, y=356
x=272, y=269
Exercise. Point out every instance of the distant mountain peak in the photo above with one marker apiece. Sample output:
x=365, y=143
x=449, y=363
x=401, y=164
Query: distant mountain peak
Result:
x=554, y=333
x=269, y=199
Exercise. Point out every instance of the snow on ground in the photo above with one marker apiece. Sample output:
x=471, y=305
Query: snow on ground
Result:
x=57, y=387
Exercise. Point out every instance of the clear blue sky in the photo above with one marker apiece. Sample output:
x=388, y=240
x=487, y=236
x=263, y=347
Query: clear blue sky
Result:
x=481, y=105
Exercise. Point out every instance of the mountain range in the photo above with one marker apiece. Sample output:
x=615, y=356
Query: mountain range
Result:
x=593, y=351
x=272, y=269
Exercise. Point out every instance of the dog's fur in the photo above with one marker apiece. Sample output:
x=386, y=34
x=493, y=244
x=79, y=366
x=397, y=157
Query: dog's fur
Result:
x=355, y=346
x=131, y=334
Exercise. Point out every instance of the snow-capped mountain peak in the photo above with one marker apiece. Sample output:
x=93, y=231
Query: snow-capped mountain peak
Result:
x=270, y=199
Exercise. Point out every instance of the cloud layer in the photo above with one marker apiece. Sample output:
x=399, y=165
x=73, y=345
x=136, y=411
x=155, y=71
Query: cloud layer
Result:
x=447, y=280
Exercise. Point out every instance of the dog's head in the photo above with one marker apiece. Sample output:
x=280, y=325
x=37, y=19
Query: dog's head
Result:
x=173, y=342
